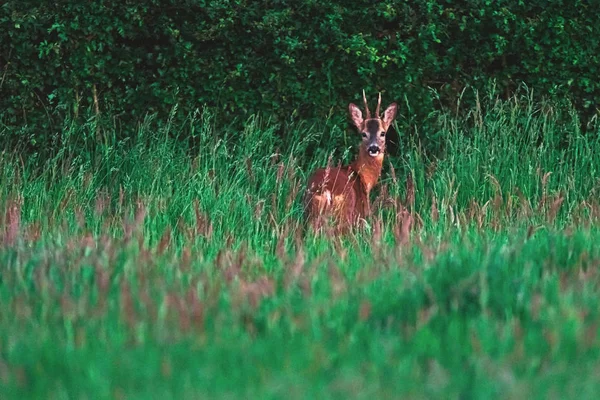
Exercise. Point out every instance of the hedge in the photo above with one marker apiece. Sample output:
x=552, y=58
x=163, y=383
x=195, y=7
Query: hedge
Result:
x=288, y=59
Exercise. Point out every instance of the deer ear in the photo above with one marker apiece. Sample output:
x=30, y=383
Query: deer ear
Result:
x=356, y=115
x=389, y=114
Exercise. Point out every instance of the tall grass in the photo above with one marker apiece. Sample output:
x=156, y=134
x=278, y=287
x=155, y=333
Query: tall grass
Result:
x=147, y=269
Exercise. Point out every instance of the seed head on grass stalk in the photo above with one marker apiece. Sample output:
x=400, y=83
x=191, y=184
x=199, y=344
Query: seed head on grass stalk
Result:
x=165, y=241
x=12, y=222
x=404, y=223
x=544, y=183
x=101, y=204
x=554, y=208
x=410, y=193
x=294, y=271
x=249, y=169
x=279, y=176
x=434, y=212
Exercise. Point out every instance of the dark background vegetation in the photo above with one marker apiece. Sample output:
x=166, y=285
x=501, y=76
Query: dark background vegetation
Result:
x=288, y=60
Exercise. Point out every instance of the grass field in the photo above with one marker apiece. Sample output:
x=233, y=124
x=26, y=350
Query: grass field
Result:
x=143, y=271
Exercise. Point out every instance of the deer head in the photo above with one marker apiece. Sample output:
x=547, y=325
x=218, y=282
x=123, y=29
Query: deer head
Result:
x=373, y=128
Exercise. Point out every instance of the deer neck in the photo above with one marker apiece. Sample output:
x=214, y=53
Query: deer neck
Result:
x=368, y=168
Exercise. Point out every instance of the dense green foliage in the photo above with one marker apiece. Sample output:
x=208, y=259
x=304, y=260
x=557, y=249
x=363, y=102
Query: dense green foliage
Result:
x=288, y=59
x=136, y=270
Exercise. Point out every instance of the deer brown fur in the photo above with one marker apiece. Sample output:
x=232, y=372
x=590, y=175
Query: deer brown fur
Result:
x=343, y=192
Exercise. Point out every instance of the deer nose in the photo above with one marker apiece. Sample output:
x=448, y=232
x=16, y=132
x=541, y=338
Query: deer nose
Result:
x=374, y=150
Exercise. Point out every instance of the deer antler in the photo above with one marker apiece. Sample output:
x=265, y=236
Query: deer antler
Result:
x=378, y=106
x=366, y=106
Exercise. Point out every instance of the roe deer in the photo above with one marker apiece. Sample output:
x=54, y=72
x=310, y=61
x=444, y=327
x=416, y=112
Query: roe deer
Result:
x=343, y=192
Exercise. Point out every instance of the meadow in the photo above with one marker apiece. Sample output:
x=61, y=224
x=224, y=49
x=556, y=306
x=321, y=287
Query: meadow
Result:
x=143, y=269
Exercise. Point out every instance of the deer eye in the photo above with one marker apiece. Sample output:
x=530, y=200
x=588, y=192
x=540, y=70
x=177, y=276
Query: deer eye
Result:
x=382, y=134
x=364, y=135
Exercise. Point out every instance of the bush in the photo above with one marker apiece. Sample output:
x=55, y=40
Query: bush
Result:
x=301, y=59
